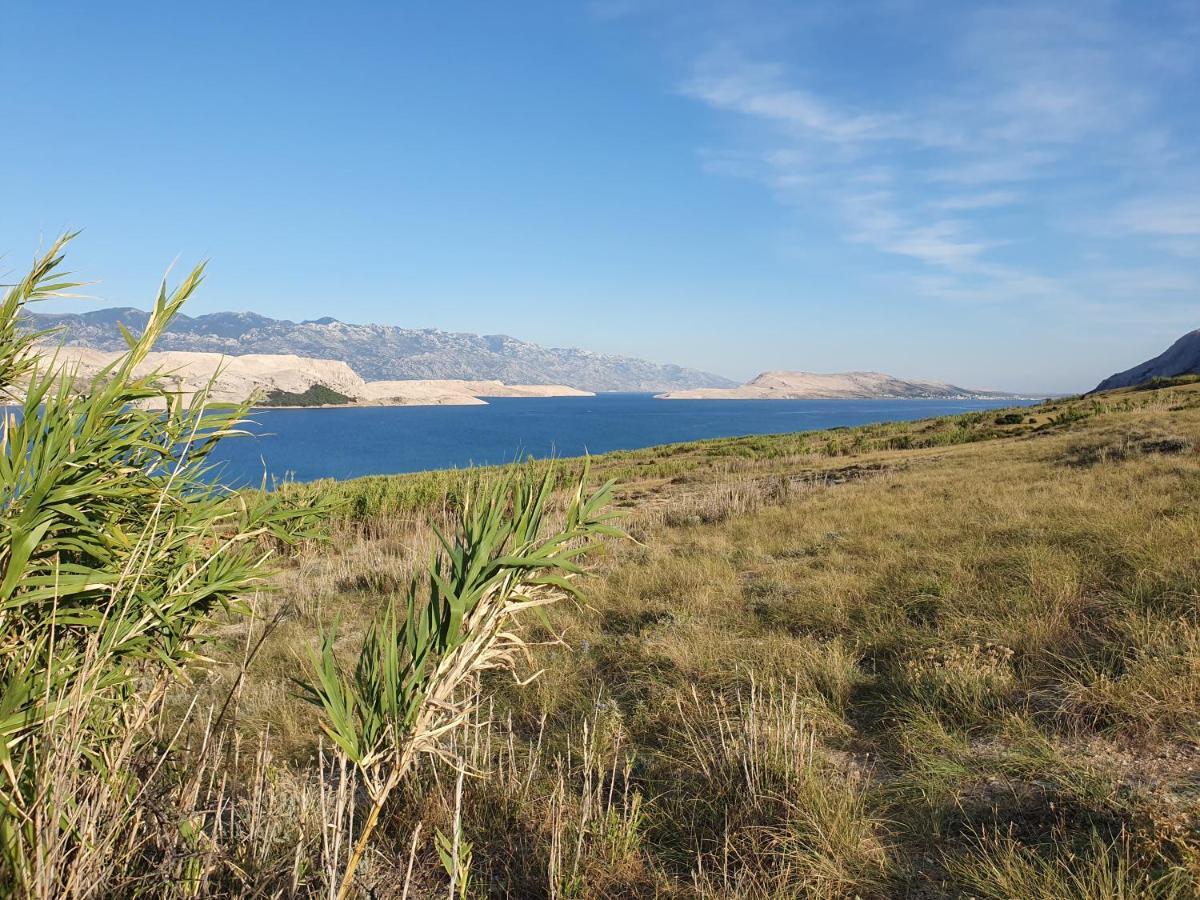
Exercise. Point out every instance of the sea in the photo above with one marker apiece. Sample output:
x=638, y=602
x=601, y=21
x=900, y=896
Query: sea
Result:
x=307, y=444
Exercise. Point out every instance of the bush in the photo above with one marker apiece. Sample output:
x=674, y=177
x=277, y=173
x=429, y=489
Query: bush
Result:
x=314, y=395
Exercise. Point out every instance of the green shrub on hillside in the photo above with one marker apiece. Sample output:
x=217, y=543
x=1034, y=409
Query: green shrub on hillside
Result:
x=1159, y=382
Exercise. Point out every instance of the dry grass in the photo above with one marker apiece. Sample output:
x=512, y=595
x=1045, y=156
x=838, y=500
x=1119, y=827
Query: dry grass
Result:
x=970, y=667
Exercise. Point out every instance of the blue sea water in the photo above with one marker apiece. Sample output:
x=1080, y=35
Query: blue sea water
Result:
x=305, y=444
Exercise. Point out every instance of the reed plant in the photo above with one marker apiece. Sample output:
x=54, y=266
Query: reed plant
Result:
x=120, y=557
x=116, y=546
x=416, y=678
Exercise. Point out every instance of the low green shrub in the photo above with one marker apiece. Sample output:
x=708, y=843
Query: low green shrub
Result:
x=314, y=395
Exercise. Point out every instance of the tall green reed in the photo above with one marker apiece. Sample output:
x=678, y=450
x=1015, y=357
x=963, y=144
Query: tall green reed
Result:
x=416, y=679
x=116, y=546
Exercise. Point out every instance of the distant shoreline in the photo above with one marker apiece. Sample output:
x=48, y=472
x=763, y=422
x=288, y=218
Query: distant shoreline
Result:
x=1016, y=398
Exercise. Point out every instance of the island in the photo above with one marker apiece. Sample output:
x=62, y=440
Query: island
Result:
x=835, y=386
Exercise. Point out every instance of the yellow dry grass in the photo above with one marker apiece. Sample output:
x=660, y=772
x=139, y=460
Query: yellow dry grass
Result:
x=824, y=668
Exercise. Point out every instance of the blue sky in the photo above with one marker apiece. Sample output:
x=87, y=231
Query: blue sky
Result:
x=1002, y=195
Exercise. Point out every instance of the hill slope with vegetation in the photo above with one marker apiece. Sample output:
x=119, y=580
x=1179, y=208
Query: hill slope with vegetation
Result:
x=1182, y=358
x=958, y=657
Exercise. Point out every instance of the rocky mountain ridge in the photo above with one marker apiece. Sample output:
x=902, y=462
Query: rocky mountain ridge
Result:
x=1181, y=358
x=383, y=352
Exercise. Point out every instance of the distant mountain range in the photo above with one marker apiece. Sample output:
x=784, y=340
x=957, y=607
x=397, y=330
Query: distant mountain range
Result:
x=1181, y=358
x=385, y=352
x=836, y=386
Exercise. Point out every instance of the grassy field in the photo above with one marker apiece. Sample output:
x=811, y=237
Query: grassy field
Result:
x=958, y=657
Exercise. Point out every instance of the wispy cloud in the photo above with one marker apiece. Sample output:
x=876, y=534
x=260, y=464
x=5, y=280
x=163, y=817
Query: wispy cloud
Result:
x=984, y=200
x=1169, y=216
x=1017, y=121
x=990, y=166
x=759, y=90
x=873, y=219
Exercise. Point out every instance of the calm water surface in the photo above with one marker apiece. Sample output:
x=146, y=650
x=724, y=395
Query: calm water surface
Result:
x=304, y=444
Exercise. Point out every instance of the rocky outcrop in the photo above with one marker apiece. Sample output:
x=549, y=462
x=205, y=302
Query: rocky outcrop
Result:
x=384, y=352
x=1181, y=358
x=834, y=386
x=433, y=388
x=235, y=379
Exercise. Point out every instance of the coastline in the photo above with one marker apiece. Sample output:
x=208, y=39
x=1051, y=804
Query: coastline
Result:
x=1015, y=398
x=423, y=439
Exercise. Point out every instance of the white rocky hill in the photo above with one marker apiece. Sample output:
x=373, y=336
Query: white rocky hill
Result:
x=834, y=386
x=289, y=380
